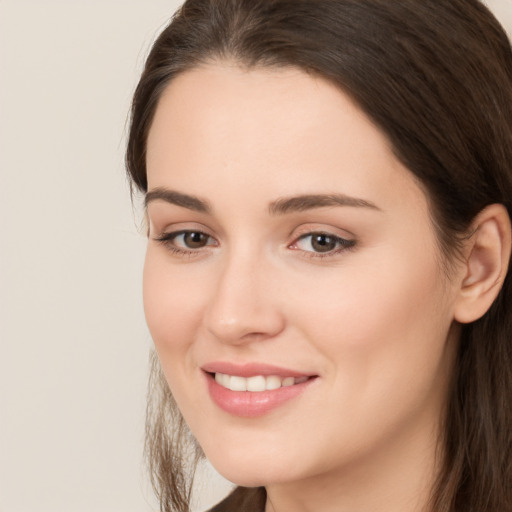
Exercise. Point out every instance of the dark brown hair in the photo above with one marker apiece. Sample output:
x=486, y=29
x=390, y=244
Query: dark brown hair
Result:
x=436, y=77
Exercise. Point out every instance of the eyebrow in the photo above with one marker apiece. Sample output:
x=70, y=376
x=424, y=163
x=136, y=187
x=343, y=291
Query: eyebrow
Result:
x=177, y=198
x=310, y=201
x=280, y=206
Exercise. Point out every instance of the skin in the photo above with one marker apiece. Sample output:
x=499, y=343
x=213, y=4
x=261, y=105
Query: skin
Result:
x=374, y=321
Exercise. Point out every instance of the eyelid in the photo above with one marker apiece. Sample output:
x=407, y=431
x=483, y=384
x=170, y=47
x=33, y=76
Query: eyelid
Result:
x=159, y=228
x=167, y=219
x=322, y=227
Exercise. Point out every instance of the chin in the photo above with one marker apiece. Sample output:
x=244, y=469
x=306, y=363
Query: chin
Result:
x=242, y=469
x=247, y=478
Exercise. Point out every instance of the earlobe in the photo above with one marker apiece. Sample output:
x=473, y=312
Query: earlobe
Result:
x=486, y=263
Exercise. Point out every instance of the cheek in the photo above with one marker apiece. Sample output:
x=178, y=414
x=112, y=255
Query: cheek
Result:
x=173, y=310
x=382, y=326
x=172, y=304
x=383, y=336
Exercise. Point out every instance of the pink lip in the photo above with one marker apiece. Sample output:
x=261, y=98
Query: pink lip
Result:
x=251, y=370
x=250, y=404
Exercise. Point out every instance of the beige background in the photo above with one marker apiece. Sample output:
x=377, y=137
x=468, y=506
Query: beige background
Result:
x=73, y=343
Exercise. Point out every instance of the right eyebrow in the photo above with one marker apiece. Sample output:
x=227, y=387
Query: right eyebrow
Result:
x=178, y=199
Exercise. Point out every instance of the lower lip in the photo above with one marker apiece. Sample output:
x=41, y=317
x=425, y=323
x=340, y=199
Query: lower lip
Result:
x=250, y=404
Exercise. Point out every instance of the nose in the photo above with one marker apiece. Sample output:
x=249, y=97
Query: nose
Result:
x=244, y=305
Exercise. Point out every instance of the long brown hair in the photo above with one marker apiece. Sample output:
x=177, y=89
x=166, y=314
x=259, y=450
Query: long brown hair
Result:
x=436, y=77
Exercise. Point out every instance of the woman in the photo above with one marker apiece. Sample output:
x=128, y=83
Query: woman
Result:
x=328, y=187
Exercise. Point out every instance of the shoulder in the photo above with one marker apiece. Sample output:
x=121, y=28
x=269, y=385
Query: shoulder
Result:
x=243, y=499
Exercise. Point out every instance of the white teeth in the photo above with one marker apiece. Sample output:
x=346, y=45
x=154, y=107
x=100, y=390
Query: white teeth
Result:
x=223, y=379
x=256, y=384
x=273, y=382
x=237, y=383
x=289, y=381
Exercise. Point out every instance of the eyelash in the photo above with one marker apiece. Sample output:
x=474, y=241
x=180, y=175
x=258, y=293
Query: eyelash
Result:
x=342, y=244
x=167, y=239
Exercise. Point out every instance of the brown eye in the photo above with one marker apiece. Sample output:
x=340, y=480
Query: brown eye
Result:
x=195, y=239
x=186, y=241
x=323, y=243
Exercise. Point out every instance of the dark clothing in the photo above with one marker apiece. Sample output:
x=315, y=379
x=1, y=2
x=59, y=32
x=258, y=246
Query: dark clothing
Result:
x=243, y=499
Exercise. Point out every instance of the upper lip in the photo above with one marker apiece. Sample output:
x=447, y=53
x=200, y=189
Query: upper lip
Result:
x=252, y=369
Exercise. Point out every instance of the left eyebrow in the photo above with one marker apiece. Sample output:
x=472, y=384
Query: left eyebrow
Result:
x=302, y=203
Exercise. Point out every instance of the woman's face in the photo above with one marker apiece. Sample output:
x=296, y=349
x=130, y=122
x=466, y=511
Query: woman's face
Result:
x=290, y=252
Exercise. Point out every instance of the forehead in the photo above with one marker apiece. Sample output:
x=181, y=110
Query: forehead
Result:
x=261, y=103
x=280, y=128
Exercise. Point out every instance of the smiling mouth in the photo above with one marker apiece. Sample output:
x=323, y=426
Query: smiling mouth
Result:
x=262, y=389
x=257, y=383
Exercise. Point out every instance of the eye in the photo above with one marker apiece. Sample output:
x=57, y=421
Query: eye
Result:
x=186, y=241
x=191, y=239
x=322, y=243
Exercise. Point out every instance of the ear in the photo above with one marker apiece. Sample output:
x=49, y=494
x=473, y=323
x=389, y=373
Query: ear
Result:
x=486, y=259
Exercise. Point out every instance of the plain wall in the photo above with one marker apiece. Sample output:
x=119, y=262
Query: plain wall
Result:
x=73, y=342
